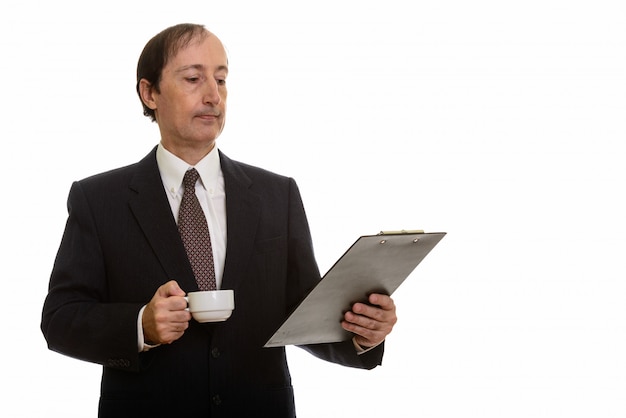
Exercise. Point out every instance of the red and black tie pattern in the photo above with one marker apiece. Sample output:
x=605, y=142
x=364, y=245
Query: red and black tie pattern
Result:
x=194, y=232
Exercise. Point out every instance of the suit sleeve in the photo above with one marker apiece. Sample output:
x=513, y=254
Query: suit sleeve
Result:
x=303, y=269
x=77, y=318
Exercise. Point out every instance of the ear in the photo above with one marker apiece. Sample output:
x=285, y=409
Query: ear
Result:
x=146, y=93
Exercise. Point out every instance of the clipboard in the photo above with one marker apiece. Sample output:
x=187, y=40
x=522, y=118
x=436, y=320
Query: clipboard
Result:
x=373, y=264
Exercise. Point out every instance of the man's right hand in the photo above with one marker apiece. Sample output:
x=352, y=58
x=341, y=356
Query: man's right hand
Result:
x=165, y=318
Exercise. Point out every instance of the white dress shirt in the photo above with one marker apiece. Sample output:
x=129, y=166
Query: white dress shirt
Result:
x=212, y=197
x=210, y=192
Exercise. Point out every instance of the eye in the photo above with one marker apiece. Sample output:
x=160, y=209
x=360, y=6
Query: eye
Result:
x=221, y=81
x=192, y=79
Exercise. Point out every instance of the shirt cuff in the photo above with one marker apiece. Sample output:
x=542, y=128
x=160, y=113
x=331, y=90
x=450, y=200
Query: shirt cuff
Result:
x=141, y=344
x=362, y=350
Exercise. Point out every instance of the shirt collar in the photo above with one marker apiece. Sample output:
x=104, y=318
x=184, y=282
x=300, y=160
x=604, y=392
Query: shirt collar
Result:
x=173, y=169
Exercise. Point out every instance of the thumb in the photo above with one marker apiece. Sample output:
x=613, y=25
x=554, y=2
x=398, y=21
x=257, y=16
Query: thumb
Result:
x=170, y=288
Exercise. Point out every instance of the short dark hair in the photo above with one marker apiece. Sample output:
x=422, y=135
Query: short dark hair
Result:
x=159, y=50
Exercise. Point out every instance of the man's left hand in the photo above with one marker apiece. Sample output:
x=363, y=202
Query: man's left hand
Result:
x=371, y=323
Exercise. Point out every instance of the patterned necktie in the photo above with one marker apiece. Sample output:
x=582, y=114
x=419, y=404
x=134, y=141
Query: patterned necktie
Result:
x=194, y=232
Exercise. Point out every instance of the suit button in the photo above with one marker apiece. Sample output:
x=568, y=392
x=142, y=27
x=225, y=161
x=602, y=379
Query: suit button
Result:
x=215, y=353
x=216, y=400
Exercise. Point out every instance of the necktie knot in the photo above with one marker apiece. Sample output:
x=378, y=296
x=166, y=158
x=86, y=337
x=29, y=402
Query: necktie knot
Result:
x=190, y=179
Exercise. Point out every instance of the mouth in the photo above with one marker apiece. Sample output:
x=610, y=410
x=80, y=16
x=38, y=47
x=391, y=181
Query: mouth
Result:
x=209, y=115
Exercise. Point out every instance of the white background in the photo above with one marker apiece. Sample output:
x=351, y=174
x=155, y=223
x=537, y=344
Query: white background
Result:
x=501, y=123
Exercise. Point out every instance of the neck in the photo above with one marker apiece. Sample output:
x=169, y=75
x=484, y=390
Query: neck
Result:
x=190, y=155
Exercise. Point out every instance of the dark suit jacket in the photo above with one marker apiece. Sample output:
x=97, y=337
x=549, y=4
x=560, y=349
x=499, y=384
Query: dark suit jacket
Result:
x=121, y=243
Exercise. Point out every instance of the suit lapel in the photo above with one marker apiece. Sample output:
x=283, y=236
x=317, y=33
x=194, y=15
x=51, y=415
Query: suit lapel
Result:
x=154, y=215
x=242, y=213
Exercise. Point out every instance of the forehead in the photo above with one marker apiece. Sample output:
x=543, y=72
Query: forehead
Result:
x=206, y=51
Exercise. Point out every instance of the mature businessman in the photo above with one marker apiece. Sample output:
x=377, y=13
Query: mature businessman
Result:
x=116, y=293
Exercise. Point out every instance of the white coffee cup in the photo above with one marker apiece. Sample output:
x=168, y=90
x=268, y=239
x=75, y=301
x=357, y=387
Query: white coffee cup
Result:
x=211, y=305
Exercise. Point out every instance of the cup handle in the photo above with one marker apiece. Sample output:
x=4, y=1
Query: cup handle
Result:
x=187, y=299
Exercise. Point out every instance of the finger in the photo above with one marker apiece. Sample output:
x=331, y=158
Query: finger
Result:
x=361, y=321
x=179, y=326
x=371, y=312
x=166, y=304
x=170, y=337
x=384, y=301
x=178, y=316
x=177, y=303
x=173, y=328
x=370, y=318
x=368, y=337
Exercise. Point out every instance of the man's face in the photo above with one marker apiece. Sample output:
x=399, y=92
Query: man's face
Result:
x=191, y=106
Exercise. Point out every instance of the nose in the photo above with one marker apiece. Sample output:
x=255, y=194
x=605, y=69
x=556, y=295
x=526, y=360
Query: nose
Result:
x=211, y=93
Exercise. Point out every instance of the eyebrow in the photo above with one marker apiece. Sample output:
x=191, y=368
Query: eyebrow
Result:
x=200, y=67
